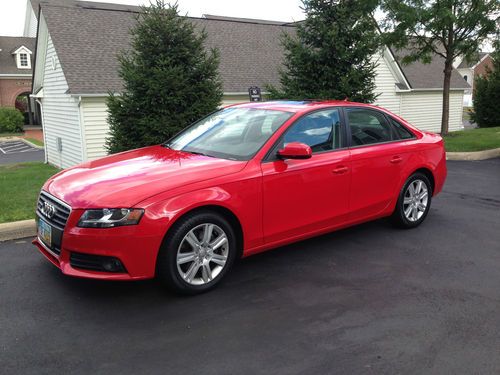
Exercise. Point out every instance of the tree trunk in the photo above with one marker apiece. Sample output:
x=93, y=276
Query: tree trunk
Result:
x=445, y=119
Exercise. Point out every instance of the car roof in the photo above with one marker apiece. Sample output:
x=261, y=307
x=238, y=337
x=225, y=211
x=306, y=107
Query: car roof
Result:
x=298, y=106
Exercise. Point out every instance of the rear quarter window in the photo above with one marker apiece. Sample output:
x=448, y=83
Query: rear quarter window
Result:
x=400, y=131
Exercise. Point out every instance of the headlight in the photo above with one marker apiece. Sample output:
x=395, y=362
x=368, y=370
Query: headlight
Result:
x=108, y=218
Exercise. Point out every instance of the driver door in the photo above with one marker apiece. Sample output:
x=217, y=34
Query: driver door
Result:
x=305, y=196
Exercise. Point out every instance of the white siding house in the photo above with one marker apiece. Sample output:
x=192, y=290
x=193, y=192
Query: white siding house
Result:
x=60, y=111
x=76, y=68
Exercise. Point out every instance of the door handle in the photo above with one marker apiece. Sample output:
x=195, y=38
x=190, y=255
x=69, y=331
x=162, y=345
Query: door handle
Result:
x=396, y=159
x=340, y=170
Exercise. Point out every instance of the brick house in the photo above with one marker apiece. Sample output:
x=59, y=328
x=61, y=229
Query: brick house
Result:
x=16, y=57
x=469, y=70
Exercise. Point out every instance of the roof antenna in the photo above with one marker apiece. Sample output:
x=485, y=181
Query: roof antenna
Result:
x=346, y=99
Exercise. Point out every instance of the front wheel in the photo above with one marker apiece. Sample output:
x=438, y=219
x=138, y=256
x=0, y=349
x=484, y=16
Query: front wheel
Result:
x=197, y=253
x=414, y=202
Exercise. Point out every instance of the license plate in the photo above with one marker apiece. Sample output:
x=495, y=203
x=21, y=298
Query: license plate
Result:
x=45, y=232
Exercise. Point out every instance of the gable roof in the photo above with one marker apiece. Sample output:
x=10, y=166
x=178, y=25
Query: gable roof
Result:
x=88, y=36
x=428, y=76
x=8, y=45
x=471, y=64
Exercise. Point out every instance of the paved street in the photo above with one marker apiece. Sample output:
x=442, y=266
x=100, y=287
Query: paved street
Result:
x=19, y=152
x=366, y=300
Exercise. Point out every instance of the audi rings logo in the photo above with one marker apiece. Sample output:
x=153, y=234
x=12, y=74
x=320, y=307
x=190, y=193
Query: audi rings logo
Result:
x=48, y=210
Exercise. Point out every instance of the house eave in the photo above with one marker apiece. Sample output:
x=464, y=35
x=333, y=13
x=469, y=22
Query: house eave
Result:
x=15, y=75
x=438, y=89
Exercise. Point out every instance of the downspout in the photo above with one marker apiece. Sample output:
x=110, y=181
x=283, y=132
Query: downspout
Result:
x=82, y=130
x=43, y=131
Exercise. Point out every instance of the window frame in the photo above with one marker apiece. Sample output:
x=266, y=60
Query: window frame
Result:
x=387, y=117
x=23, y=51
x=271, y=154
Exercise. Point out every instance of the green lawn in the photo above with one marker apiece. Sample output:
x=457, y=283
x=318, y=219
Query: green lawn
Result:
x=11, y=135
x=473, y=140
x=35, y=141
x=19, y=188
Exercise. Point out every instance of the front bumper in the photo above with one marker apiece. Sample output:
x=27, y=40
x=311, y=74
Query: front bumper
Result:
x=135, y=246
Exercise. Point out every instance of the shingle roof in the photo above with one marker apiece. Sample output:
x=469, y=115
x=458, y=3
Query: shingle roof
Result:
x=467, y=64
x=88, y=36
x=9, y=44
x=428, y=76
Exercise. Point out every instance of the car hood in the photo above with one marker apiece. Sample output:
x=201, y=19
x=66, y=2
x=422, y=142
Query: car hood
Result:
x=125, y=179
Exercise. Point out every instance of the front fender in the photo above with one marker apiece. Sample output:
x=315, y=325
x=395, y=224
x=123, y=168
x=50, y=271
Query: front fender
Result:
x=243, y=199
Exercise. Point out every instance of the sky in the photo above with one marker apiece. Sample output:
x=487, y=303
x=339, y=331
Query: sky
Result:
x=12, y=12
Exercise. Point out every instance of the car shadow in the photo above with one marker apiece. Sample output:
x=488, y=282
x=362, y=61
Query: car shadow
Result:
x=255, y=274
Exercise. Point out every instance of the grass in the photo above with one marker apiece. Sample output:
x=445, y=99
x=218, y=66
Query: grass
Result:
x=35, y=141
x=11, y=135
x=473, y=140
x=20, y=185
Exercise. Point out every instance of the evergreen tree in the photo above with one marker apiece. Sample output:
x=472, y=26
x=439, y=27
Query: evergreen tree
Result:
x=487, y=94
x=448, y=28
x=330, y=57
x=170, y=80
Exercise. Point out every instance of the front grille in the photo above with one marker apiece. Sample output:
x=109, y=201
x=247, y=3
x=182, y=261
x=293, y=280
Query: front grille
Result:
x=96, y=263
x=62, y=210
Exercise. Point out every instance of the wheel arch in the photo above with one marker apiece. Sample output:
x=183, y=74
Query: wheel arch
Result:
x=428, y=173
x=227, y=213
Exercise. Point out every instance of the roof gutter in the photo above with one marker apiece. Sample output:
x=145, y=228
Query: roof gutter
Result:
x=15, y=75
x=441, y=89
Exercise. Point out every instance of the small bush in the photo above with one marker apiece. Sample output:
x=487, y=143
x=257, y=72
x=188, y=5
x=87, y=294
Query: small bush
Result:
x=11, y=120
x=487, y=94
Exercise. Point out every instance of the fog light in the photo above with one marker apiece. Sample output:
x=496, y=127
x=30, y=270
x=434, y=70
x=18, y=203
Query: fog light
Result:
x=112, y=265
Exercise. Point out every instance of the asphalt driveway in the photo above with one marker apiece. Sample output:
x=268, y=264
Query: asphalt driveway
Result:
x=366, y=300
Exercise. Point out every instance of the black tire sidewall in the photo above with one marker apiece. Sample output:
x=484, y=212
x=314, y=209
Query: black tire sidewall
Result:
x=167, y=258
x=399, y=216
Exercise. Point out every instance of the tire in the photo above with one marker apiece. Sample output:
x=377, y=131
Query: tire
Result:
x=187, y=262
x=413, y=206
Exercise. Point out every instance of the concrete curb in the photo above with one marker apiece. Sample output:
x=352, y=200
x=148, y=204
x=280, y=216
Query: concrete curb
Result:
x=31, y=144
x=477, y=155
x=17, y=229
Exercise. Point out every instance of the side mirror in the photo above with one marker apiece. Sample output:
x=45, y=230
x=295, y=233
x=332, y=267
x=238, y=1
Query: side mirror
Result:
x=295, y=150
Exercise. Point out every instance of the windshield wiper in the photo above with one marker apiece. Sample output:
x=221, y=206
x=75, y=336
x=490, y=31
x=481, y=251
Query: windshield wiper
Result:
x=199, y=153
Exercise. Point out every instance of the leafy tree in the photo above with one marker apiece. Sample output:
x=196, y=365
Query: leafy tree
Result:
x=330, y=57
x=170, y=80
x=487, y=94
x=448, y=28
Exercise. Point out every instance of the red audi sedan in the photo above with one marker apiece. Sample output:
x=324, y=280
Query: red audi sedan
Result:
x=243, y=180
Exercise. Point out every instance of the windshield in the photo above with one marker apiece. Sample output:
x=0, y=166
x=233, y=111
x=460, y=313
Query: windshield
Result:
x=232, y=133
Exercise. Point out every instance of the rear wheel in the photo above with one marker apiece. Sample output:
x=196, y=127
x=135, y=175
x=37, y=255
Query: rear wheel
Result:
x=199, y=250
x=414, y=202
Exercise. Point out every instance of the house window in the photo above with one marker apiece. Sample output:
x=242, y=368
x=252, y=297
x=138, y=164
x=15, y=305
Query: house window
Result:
x=23, y=60
x=465, y=77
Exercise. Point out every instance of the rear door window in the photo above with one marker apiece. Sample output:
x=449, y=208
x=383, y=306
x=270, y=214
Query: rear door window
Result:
x=368, y=127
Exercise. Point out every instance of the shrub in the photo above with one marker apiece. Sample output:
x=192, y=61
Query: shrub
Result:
x=487, y=95
x=11, y=120
x=170, y=77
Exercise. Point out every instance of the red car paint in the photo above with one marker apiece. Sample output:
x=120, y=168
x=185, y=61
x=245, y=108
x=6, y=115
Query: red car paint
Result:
x=275, y=202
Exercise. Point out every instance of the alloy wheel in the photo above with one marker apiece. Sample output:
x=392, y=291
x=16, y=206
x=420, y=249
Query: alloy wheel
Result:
x=202, y=254
x=415, y=201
